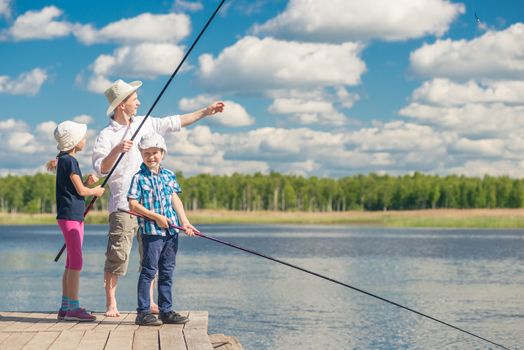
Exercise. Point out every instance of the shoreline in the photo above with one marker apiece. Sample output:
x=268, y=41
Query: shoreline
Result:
x=438, y=218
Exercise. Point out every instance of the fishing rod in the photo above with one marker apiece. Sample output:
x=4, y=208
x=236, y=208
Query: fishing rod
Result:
x=148, y=114
x=200, y=234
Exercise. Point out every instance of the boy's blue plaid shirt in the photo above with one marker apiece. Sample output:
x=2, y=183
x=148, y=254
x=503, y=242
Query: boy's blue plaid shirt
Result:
x=154, y=192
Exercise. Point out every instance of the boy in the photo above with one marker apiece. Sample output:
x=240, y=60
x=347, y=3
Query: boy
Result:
x=153, y=193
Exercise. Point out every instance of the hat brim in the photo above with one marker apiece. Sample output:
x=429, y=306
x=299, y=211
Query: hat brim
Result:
x=134, y=86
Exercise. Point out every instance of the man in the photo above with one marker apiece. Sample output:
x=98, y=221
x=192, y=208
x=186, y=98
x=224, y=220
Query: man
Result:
x=110, y=143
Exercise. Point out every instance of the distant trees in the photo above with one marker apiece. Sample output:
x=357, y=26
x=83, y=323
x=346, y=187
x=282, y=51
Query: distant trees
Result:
x=278, y=192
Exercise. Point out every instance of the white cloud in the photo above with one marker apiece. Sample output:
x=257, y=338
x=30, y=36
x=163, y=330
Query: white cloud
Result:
x=146, y=60
x=28, y=83
x=396, y=147
x=494, y=55
x=308, y=111
x=484, y=120
x=347, y=20
x=448, y=93
x=499, y=167
x=40, y=25
x=95, y=83
x=259, y=64
x=191, y=6
x=46, y=129
x=18, y=137
x=13, y=124
x=22, y=142
x=486, y=110
x=234, y=114
x=483, y=147
x=146, y=27
x=33, y=146
x=393, y=147
x=346, y=98
x=83, y=118
x=5, y=8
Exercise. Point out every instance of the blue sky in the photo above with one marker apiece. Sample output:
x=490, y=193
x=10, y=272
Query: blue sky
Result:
x=326, y=88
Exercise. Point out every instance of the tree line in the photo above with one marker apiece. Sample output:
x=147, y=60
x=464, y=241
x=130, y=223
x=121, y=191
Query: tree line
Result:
x=278, y=192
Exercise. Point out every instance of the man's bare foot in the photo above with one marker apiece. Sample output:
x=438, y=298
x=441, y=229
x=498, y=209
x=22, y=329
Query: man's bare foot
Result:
x=112, y=311
x=154, y=309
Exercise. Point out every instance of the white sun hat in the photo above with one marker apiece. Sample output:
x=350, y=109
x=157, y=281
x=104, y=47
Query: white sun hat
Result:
x=152, y=140
x=68, y=134
x=118, y=92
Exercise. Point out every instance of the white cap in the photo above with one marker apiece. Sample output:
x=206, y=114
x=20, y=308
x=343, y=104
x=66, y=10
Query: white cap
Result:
x=68, y=134
x=118, y=92
x=152, y=140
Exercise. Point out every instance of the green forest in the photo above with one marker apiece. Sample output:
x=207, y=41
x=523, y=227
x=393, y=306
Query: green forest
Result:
x=274, y=191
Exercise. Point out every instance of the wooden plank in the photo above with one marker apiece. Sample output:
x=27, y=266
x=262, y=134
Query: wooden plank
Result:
x=42, y=340
x=172, y=338
x=10, y=318
x=26, y=321
x=128, y=323
x=146, y=338
x=93, y=340
x=197, y=320
x=44, y=324
x=86, y=326
x=67, y=340
x=17, y=340
x=120, y=339
x=219, y=341
x=197, y=339
x=62, y=326
x=224, y=342
x=4, y=336
x=109, y=323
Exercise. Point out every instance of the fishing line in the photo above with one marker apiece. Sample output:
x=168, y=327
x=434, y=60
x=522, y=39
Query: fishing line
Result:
x=148, y=113
x=199, y=234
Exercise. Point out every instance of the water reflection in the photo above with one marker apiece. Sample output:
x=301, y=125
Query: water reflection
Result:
x=471, y=278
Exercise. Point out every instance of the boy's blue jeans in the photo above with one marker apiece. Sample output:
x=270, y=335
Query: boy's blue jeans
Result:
x=159, y=253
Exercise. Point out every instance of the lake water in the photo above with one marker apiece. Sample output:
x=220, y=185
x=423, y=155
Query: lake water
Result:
x=473, y=279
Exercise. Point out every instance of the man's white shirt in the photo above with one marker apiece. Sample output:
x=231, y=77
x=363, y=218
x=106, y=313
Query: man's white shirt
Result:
x=115, y=133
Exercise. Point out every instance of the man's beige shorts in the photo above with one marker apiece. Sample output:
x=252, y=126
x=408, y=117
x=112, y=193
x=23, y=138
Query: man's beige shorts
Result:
x=122, y=229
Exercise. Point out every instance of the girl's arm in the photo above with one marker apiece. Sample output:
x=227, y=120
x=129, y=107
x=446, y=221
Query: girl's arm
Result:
x=84, y=191
x=160, y=220
x=179, y=208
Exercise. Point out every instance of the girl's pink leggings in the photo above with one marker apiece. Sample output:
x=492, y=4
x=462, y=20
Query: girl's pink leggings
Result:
x=73, y=232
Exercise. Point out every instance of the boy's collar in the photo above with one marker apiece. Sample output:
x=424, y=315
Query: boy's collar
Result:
x=144, y=168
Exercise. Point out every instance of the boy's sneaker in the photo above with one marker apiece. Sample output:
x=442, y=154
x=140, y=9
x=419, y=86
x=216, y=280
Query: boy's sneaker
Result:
x=173, y=318
x=61, y=314
x=147, y=319
x=80, y=315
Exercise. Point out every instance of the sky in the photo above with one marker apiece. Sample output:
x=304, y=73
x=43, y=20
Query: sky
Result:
x=312, y=87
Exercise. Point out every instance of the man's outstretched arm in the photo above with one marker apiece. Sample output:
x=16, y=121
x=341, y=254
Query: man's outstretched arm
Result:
x=190, y=118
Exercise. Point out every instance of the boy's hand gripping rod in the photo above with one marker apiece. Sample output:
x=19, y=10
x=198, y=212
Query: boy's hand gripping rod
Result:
x=147, y=115
x=200, y=234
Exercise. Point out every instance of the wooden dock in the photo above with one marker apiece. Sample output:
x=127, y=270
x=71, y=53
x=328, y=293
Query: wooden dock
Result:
x=41, y=330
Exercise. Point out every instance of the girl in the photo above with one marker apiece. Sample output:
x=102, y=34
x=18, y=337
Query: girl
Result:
x=70, y=193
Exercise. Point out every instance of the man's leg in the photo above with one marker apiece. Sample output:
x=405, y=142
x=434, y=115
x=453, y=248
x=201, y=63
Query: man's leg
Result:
x=122, y=228
x=110, y=283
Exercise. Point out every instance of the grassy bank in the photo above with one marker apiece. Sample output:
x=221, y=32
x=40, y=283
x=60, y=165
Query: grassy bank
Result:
x=478, y=218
